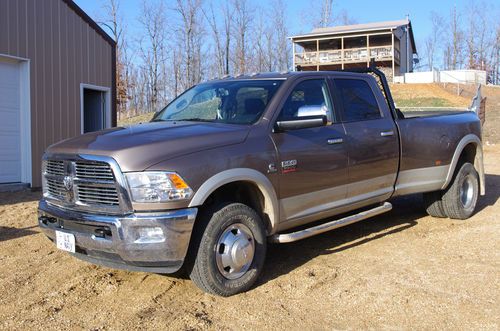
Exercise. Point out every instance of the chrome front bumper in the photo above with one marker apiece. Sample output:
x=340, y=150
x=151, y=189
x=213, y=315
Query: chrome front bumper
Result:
x=113, y=240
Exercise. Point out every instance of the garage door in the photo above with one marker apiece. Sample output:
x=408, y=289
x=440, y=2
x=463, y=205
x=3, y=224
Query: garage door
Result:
x=10, y=123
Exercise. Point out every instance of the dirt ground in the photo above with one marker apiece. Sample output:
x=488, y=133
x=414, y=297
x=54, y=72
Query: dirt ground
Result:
x=400, y=270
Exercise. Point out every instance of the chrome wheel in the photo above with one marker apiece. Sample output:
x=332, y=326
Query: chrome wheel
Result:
x=235, y=251
x=467, y=192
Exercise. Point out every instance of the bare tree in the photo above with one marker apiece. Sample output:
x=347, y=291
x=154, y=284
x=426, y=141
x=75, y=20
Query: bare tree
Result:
x=456, y=41
x=326, y=18
x=325, y=14
x=242, y=18
x=227, y=12
x=485, y=39
x=262, y=60
x=281, y=49
x=495, y=57
x=217, y=39
x=433, y=41
x=470, y=35
x=191, y=31
x=114, y=23
x=221, y=35
x=153, y=48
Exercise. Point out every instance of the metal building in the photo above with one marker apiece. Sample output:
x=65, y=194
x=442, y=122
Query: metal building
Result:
x=57, y=80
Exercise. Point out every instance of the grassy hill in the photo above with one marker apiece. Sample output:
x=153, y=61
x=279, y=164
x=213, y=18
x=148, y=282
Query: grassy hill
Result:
x=426, y=95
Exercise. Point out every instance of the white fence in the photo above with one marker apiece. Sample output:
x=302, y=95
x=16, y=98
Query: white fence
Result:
x=444, y=76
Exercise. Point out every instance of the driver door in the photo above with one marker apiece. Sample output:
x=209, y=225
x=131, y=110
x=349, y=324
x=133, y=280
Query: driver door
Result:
x=312, y=162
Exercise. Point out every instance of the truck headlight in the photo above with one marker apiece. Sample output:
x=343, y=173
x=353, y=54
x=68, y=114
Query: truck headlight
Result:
x=156, y=186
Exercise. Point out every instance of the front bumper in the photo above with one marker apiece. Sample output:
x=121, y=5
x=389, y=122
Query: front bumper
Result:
x=112, y=240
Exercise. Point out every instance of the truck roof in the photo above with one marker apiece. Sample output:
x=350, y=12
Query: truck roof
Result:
x=285, y=75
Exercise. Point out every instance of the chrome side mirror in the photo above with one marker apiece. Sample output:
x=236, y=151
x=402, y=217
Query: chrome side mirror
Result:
x=314, y=110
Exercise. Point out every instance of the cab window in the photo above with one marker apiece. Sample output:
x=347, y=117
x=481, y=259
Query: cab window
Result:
x=309, y=97
x=357, y=99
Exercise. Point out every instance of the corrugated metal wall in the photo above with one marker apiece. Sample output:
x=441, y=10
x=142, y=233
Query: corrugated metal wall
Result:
x=64, y=51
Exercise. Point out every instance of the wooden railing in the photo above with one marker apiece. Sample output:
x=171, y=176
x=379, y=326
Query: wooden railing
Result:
x=350, y=55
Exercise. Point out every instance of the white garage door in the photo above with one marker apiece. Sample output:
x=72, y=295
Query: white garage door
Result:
x=10, y=123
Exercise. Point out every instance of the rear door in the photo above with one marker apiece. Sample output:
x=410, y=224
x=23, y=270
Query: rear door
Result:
x=312, y=161
x=372, y=140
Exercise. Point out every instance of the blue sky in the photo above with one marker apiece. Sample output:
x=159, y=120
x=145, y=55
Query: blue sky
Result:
x=363, y=11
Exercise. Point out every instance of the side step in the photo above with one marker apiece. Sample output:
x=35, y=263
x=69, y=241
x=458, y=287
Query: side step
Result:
x=295, y=236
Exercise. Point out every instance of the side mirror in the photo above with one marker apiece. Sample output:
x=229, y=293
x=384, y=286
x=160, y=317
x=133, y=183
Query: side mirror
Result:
x=304, y=122
x=312, y=110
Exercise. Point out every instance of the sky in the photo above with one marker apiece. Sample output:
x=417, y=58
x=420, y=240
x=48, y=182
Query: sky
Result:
x=363, y=11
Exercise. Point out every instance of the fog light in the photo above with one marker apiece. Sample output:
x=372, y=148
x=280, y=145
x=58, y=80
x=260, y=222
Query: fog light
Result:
x=149, y=235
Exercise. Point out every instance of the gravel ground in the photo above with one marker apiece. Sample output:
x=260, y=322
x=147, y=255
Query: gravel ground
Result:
x=400, y=270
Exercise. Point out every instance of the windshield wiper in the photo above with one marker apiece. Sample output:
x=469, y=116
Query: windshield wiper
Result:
x=195, y=119
x=162, y=120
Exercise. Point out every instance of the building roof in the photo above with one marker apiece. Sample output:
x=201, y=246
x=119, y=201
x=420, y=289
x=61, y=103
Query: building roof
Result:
x=83, y=15
x=365, y=27
x=361, y=27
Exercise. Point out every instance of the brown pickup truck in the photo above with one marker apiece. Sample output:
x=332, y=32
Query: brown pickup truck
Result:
x=235, y=163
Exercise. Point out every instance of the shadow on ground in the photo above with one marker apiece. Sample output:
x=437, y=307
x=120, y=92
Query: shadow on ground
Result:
x=8, y=233
x=8, y=198
x=283, y=258
x=492, y=192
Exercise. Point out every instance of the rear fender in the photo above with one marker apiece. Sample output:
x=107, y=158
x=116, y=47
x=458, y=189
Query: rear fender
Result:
x=478, y=161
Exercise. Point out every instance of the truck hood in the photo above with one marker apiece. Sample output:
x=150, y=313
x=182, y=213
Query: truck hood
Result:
x=141, y=146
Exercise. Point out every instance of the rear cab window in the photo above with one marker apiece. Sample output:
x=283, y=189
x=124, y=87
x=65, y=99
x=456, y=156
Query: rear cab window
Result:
x=357, y=100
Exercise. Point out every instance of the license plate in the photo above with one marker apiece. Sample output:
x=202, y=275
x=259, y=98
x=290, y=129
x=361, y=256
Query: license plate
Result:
x=65, y=241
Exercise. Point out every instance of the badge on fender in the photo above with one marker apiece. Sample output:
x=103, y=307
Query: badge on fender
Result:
x=288, y=166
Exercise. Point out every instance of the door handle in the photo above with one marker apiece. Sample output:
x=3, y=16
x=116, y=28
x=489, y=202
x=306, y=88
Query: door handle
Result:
x=387, y=133
x=334, y=141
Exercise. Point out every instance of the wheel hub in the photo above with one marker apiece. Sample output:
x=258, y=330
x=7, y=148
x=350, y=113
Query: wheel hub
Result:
x=467, y=192
x=235, y=251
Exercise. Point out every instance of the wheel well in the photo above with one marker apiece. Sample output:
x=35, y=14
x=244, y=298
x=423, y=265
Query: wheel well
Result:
x=468, y=155
x=244, y=192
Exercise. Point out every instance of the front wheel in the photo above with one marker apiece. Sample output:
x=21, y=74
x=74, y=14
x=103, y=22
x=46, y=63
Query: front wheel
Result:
x=460, y=199
x=229, y=250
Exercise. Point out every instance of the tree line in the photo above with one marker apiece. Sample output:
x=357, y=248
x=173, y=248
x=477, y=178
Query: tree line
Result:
x=184, y=42
x=464, y=38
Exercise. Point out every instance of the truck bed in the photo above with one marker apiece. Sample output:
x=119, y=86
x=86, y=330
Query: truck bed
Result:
x=432, y=112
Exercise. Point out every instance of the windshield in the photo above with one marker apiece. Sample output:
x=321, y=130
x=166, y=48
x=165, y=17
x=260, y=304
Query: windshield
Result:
x=235, y=102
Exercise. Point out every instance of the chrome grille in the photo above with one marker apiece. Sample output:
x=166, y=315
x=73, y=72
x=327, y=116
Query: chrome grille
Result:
x=55, y=188
x=85, y=184
x=90, y=194
x=55, y=167
x=93, y=171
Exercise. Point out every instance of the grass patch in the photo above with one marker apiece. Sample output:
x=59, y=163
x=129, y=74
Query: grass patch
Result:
x=423, y=102
x=136, y=119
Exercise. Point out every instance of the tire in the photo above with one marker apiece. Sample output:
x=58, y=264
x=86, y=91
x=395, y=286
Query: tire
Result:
x=460, y=199
x=230, y=228
x=433, y=204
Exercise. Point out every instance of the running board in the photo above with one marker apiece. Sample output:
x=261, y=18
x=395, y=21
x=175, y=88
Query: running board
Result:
x=295, y=236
